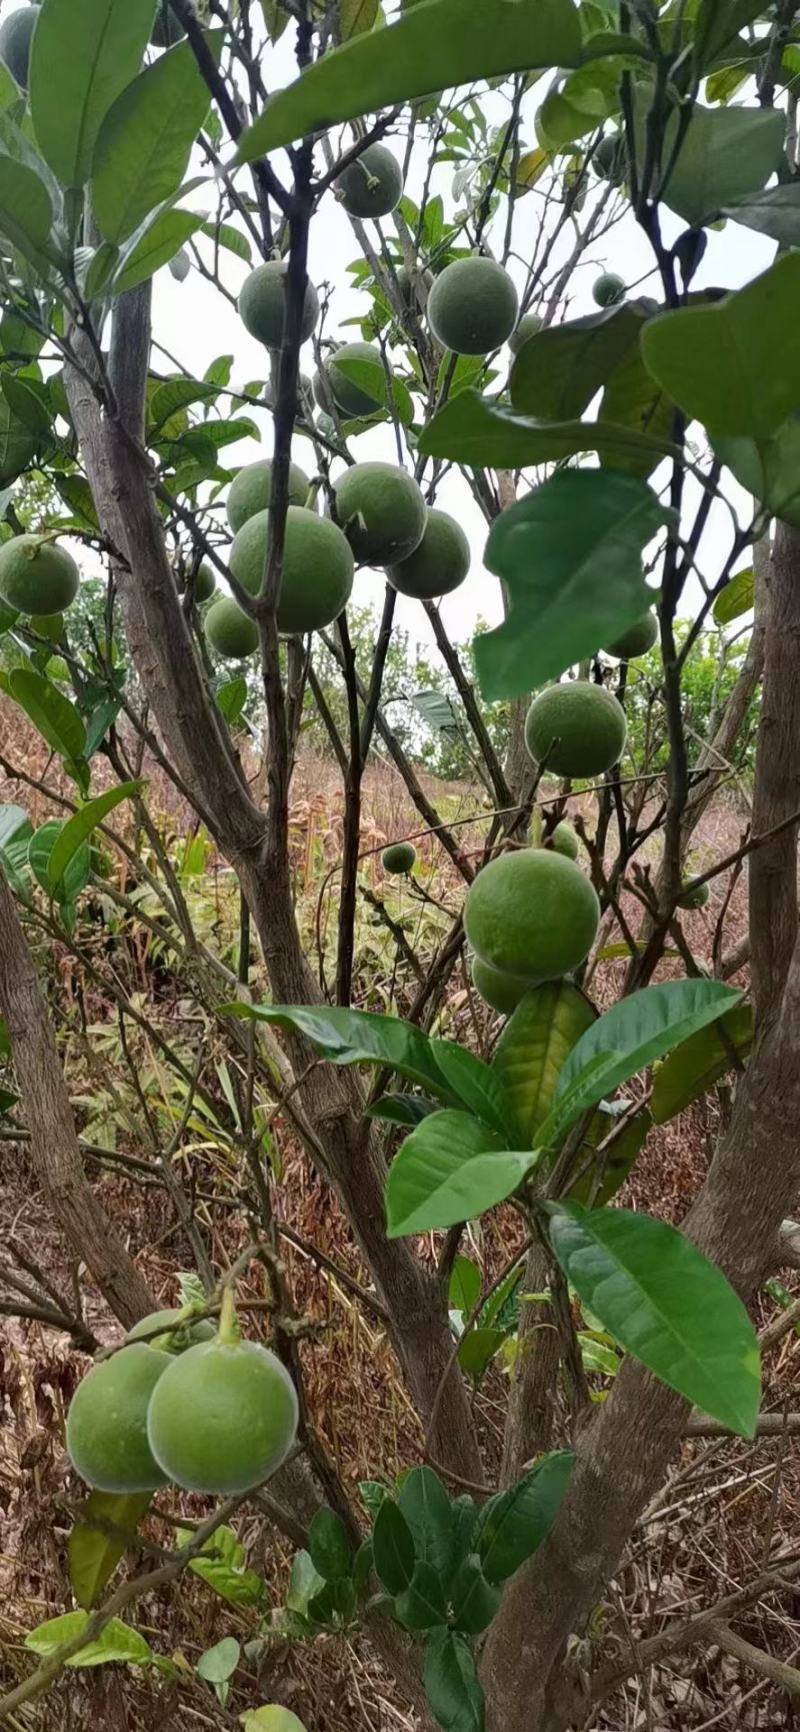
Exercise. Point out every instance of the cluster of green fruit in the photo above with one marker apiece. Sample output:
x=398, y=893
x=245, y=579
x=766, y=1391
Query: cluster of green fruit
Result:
x=208, y=1412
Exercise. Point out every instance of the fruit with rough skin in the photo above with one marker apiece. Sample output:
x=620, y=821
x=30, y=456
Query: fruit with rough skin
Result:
x=205, y=583
x=399, y=858
x=637, y=640
x=438, y=565
x=251, y=490
x=16, y=32
x=529, y=326
x=502, y=992
x=577, y=729
x=372, y=185
x=608, y=290
x=107, y=1421
x=174, y=1335
x=531, y=914
x=37, y=576
x=473, y=306
x=350, y=399
x=229, y=629
x=262, y=304
x=696, y=898
x=564, y=841
x=382, y=512
x=317, y=568
x=223, y=1417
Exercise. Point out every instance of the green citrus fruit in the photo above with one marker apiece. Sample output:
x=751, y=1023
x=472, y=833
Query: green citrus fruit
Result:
x=529, y=326
x=399, y=857
x=107, y=1421
x=438, y=565
x=317, y=568
x=695, y=898
x=531, y=914
x=225, y=1417
x=229, y=630
x=382, y=512
x=251, y=490
x=608, y=289
x=472, y=307
x=262, y=304
x=372, y=185
x=15, y=42
x=166, y=29
x=564, y=841
x=350, y=399
x=502, y=991
x=205, y=583
x=37, y=576
x=608, y=160
x=174, y=1337
x=578, y=728
x=637, y=640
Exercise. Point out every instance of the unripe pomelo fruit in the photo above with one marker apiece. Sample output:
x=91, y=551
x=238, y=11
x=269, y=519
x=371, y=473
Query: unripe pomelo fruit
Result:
x=564, y=841
x=608, y=160
x=166, y=29
x=173, y=1337
x=502, y=992
x=229, y=629
x=351, y=399
x=251, y=490
x=317, y=568
x=225, y=1417
x=372, y=185
x=695, y=898
x=473, y=306
x=382, y=512
x=531, y=914
x=107, y=1421
x=399, y=857
x=438, y=565
x=262, y=304
x=637, y=640
x=608, y=289
x=15, y=42
x=205, y=583
x=529, y=326
x=578, y=728
x=37, y=576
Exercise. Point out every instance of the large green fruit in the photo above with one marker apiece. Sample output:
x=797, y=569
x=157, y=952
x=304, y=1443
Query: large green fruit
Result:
x=564, y=841
x=107, y=1421
x=317, y=568
x=205, y=583
x=15, y=42
x=608, y=289
x=473, y=306
x=251, y=490
x=262, y=304
x=372, y=185
x=501, y=991
x=579, y=728
x=438, y=565
x=166, y=29
x=223, y=1417
x=174, y=1337
x=37, y=576
x=637, y=640
x=229, y=629
x=531, y=914
x=350, y=399
x=382, y=512
x=399, y=857
x=529, y=326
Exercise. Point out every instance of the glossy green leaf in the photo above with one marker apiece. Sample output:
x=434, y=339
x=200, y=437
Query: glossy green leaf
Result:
x=18, y=445
x=392, y=1548
x=84, y=53
x=328, y=1545
x=93, y=1549
x=56, y=719
x=238, y=1587
x=727, y=153
x=435, y=46
x=768, y=468
x=219, y=1663
x=559, y=370
x=76, y=830
x=26, y=211
x=478, y=1349
x=570, y=556
x=534, y=1045
x=357, y=1037
x=474, y=1601
x=471, y=429
x=26, y=404
x=738, y=596
x=231, y=699
x=452, y=1686
x=476, y=1085
x=154, y=246
x=146, y=139
x=422, y=1605
x=116, y=1642
x=464, y=1289
x=78, y=869
x=666, y=1304
x=633, y=400
x=599, y=1181
x=428, y=1511
x=734, y=366
x=405, y=1110
x=695, y=1065
x=449, y=1169
x=775, y=213
x=513, y=1524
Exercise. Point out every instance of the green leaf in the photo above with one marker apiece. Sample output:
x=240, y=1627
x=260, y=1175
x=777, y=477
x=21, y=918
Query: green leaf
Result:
x=476, y=1086
x=734, y=366
x=328, y=1546
x=632, y=399
x=75, y=832
x=738, y=596
x=427, y=1509
x=700, y=1061
x=534, y=1045
x=116, y=1642
x=452, y=1685
x=26, y=404
x=93, y=1551
x=17, y=444
x=558, y=371
x=727, y=153
x=303, y=1585
x=154, y=246
x=356, y=16
x=276, y=19
x=56, y=719
x=717, y=23
x=26, y=210
x=84, y=53
x=78, y=869
x=607, y=1174
x=392, y=1548
x=405, y=1110
x=449, y=1169
x=768, y=468
x=237, y=1586
x=665, y=1303
x=473, y=430
x=231, y=698
x=775, y=213
x=513, y=1524
x=357, y=1037
x=464, y=1289
x=219, y=1663
x=13, y=820
x=146, y=139
x=478, y=1349
x=435, y=46
x=421, y=1606
x=474, y=1600
x=570, y=556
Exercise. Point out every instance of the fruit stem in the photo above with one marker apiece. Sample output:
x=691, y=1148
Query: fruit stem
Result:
x=228, y=1333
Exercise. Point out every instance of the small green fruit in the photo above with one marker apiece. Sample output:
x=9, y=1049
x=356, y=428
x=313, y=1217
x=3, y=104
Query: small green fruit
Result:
x=529, y=326
x=531, y=914
x=37, y=576
x=503, y=992
x=564, y=841
x=107, y=1421
x=382, y=512
x=692, y=899
x=438, y=565
x=205, y=583
x=317, y=568
x=351, y=400
x=15, y=42
x=473, y=306
x=637, y=640
x=608, y=160
x=174, y=1337
x=608, y=290
x=251, y=490
x=229, y=629
x=262, y=304
x=224, y=1419
x=399, y=858
x=372, y=185
x=579, y=729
